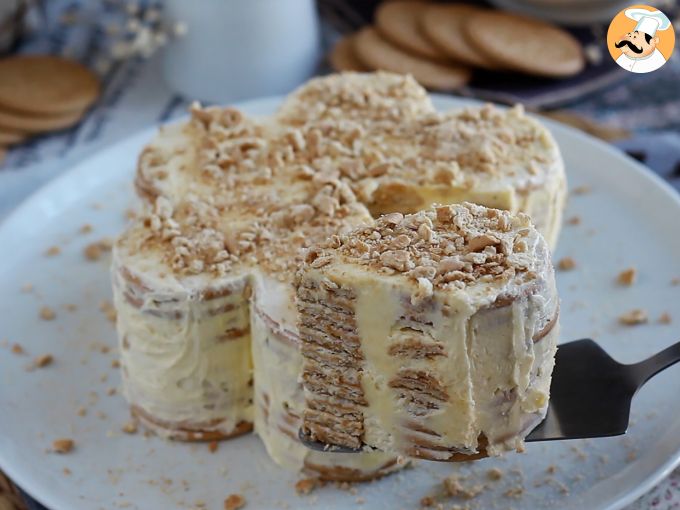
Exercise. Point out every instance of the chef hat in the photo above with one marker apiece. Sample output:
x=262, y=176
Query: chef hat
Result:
x=648, y=21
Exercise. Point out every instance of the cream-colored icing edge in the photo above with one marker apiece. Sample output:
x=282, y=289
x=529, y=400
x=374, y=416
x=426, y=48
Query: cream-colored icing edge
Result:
x=277, y=369
x=184, y=370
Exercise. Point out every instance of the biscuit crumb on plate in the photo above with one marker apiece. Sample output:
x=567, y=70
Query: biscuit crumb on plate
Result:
x=130, y=427
x=627, y=276
x=17, y=349
x=234, y=502
x=63, y=445
x=47, y=314
x=633, y=317
x=665, y=318
x=109, y=310
x=305, y=486
x=581, y=190
x=454, y=488
x=43, y=361
x=427, y=501
x=514, y=492
x=52, y=251
x=494, y=474
x=566, y=264
x=92, y=252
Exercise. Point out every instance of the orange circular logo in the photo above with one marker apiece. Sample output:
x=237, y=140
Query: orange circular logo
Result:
x=640, y=39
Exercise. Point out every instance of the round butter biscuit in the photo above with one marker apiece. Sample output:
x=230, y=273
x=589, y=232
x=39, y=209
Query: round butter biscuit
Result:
x=10, y=137
x=525, y=44
x=443, y=24
x=343, y=58
x=37, y=124
x=379, y=54
x=400, y=23
x=46, y=85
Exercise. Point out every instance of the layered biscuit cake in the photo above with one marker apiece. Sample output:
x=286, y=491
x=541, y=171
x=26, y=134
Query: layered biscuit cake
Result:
x=203, y=279
x=432, y=334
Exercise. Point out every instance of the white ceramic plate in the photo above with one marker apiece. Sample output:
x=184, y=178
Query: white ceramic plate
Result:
x=630, y=218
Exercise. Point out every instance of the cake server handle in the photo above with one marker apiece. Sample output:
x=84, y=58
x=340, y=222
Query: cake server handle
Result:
x=645, y=370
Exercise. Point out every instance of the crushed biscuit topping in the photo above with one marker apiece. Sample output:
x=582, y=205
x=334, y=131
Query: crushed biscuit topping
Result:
x=383, y=96
x=235, y=191
x=442, y=248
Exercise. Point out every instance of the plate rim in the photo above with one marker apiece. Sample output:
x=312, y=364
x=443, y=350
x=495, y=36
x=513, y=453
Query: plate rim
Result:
x=48, y=498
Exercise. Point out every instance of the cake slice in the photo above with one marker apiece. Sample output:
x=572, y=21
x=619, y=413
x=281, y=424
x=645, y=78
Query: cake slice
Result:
x=431, y=335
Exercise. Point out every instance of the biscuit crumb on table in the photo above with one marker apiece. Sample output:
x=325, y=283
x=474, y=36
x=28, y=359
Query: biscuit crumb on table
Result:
x=234, y=502
x=627, y=276
x=566, y=264
x=63, y=445
x=633, y=317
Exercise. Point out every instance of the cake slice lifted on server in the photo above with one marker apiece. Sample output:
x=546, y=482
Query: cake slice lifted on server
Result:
x=431, y=335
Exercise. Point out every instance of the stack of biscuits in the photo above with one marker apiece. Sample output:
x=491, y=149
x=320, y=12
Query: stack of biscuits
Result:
x=40, y=94
x=213, y=339
x=441, y=44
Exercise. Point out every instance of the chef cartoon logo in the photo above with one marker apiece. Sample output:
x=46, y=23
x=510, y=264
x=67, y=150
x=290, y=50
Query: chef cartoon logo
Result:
x=640, y=39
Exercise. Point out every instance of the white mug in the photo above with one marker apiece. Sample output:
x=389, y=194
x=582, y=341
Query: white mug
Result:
x=240, y=49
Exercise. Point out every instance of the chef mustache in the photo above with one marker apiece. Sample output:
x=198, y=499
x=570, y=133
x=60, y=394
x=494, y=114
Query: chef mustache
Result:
x=626, y=42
